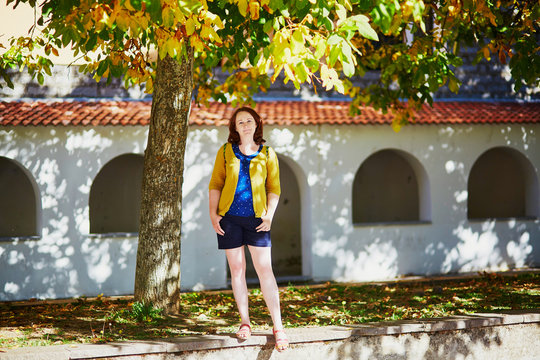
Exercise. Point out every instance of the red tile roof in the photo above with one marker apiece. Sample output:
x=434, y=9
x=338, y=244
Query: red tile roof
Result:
x=113, y=112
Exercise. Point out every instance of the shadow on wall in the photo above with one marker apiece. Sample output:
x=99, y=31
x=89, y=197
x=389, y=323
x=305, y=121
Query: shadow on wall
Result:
x=472, y=343
x=68, y=261
x=388, y=247
x=65, y=260
x=201, y=261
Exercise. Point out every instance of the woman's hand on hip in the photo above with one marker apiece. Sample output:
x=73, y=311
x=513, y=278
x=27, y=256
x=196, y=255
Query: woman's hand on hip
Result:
x=266, y=223
x=216, y=225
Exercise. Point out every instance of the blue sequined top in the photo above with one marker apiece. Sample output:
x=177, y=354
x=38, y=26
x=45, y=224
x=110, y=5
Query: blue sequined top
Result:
x=243, y=198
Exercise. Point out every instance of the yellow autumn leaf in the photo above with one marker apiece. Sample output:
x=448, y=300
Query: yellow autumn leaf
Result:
x=242, y=7
x=149, y=86
x=254, y=8
x=143, y=21
x=325, y=77
x=171, y=45
x=289, y=72
x=122, y=22
x=277, y=70
x=190, y=26
x=208, y=33
x=453, y=84
x=213, y=19
x=196, y=43
x=162, y=51
x=485, y=50
x=396, y=126
x=263, y=65
x=168, y=17
x=128, y=5
x=297, y=42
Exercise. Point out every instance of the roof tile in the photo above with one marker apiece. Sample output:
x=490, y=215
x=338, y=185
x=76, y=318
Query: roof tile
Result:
x=124, y=113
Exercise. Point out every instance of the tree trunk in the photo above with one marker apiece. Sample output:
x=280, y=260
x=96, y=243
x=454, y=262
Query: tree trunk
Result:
x=157, y=276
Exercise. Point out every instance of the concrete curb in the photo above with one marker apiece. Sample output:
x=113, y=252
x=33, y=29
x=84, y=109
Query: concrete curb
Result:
x=296, y=336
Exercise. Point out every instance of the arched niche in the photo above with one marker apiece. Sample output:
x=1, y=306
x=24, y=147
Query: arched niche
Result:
x=20, y=205
x=502, y=184
x=391, y=186
x=115, y=196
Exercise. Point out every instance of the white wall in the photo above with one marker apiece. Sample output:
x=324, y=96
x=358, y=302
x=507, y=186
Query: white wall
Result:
x=66, y=261
x=450, y=243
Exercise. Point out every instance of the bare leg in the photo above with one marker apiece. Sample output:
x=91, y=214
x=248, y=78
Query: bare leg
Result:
x=237, y=264
x=262, y=260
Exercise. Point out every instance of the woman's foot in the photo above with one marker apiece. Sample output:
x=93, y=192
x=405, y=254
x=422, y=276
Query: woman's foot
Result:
x=282, y=343
x=244, y=332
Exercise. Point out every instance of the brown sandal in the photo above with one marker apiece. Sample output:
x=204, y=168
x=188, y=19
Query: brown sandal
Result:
x=244, y=333
x=282, y=343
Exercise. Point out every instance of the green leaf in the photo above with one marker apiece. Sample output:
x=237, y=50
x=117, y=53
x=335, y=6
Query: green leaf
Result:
x=347, y=52
x=102, y=67
x=364, y=28
x=320, y=49
x=252, y=55
x=301, y=4
x=297, y=43
x=65, y=35
x=91, y=43
x=301, y=72
x=328, y=24
x=116, y=71
x=312, y=64
x=6, y=78
x=104, y=34
x=153, y=7
x=341, y=12
x=47, y=70
x=136, y=4
x=40, y=78
x=382, y=17
x=335, y=53
x=267, y=27
x=348, y=68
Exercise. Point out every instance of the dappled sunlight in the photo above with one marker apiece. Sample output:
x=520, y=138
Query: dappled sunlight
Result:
x=476, y=250
x=377, y=261
x=447, y=242
x=293, y=144
x=66, y=260
x=63, y=261
x=492, y=245
x=98, y=259
x=519, y=250
x=451, y=166
x=88, y=140
x=202, y=265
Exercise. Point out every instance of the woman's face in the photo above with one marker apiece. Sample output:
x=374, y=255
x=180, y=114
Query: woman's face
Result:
x=245, y=125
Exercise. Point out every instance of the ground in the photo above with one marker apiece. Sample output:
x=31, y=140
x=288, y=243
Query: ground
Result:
x=104, y=319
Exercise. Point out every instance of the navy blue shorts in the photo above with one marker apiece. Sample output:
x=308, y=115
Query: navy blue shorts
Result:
x=241, y=230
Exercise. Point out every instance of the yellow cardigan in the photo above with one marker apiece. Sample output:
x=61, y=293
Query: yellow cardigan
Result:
x=263, y=172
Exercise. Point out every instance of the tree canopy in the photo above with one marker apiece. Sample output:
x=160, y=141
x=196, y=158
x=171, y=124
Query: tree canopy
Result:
x=414, y=44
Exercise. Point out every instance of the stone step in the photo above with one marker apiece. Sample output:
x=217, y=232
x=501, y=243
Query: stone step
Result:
x=508, y=335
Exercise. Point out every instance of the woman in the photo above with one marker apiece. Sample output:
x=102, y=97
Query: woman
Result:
x=244, y=193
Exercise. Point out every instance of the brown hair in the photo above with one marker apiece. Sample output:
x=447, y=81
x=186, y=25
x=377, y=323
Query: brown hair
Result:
x=234, y=137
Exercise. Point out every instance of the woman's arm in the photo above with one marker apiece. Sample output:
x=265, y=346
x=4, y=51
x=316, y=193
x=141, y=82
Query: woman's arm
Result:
x=273, y=200
x=214, y=196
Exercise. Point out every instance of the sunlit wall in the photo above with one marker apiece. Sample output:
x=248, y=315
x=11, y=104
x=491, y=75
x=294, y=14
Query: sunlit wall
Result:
x=64, y=258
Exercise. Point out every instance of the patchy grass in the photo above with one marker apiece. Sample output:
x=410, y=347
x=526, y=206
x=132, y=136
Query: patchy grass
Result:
x=104, y=319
